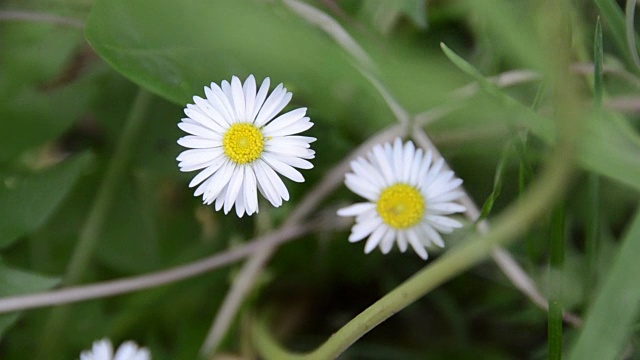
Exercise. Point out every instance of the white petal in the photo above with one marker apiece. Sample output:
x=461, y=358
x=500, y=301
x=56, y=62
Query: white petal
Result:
x=433, y=173
x=387, y=241
x=375, y=238
x=262, y=94
x=213, y=120
x=273, y=178
x=220, y=102
x=278, y=99
x=415, y=168
x=276, y=148
x=407, y=162
x=238, y=99
x=250, y=191
x=416, y=244
x=356, y=209
x=200, y=177
x=398, y=156
x=234, y=188
x=365, y=170
x=197, y=142
x=444, y=220
x=293, y=161
x=219, y=181
x=295, y=128
x=448, y=196
x=283, y=169
x=425, y=166
x=249, y=89
x=240, y=204
x=362, y=187
x=285, y=120
x=402, y=240
x=383, y=165
x=441, y=185
x=266, y=188
x=198, y=130
x=445, y=208
x=432, y=235
x=270, y=104
x=197, y=155
x=362, y=229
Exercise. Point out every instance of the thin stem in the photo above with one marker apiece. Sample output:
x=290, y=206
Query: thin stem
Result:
x=155, y=279
x=556, y=261
x=92, y=228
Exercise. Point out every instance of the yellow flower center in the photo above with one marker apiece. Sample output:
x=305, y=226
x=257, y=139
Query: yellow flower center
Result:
x=243, y=143
x=401, y=206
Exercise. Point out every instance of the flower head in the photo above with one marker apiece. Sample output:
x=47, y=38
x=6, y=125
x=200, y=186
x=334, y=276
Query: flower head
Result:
x=239, y=145
x=408, y=199
x=103, y=350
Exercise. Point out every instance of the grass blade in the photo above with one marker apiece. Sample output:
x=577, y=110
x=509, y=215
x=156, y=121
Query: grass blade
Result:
x=616, y=306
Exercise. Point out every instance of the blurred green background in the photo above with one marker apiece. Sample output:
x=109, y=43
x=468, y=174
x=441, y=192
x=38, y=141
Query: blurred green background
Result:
x=70, y=71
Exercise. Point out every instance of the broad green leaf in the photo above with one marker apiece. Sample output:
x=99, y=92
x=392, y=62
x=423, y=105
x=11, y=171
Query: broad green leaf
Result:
x=40, y=96
x=616, y=306
x=16, y=282
x=27, y=201
x=200, y=42
x=30, y=117
x=36, y=54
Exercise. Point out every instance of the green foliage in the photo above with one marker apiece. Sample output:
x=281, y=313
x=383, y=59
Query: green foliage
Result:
x=615, y=309
x=68, y=92
x=27, y=200
x=17, y=282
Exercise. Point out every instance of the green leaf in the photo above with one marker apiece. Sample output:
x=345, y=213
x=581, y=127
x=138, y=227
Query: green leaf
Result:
x=16, y=282
x=26, y=202
x=616, y=306
x=202, y=41
x=34, y=54
x=37, y=116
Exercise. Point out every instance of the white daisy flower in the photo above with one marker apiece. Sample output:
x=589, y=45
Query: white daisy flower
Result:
x=409, y=198
x=239, y=145
x=103, y=350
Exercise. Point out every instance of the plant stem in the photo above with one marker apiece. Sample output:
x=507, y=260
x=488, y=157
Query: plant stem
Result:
x=92, y=228
x=554, y=322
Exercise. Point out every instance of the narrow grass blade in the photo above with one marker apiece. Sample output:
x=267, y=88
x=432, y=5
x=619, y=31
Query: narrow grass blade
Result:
x=593, y=182
x=615, y=19
x=556, y=261
x=615, y=309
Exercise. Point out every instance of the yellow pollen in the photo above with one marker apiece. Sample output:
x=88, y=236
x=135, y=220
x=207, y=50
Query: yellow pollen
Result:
x=401, y=206
x=243, y=143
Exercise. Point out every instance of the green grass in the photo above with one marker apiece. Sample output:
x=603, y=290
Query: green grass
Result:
x=550, y=158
